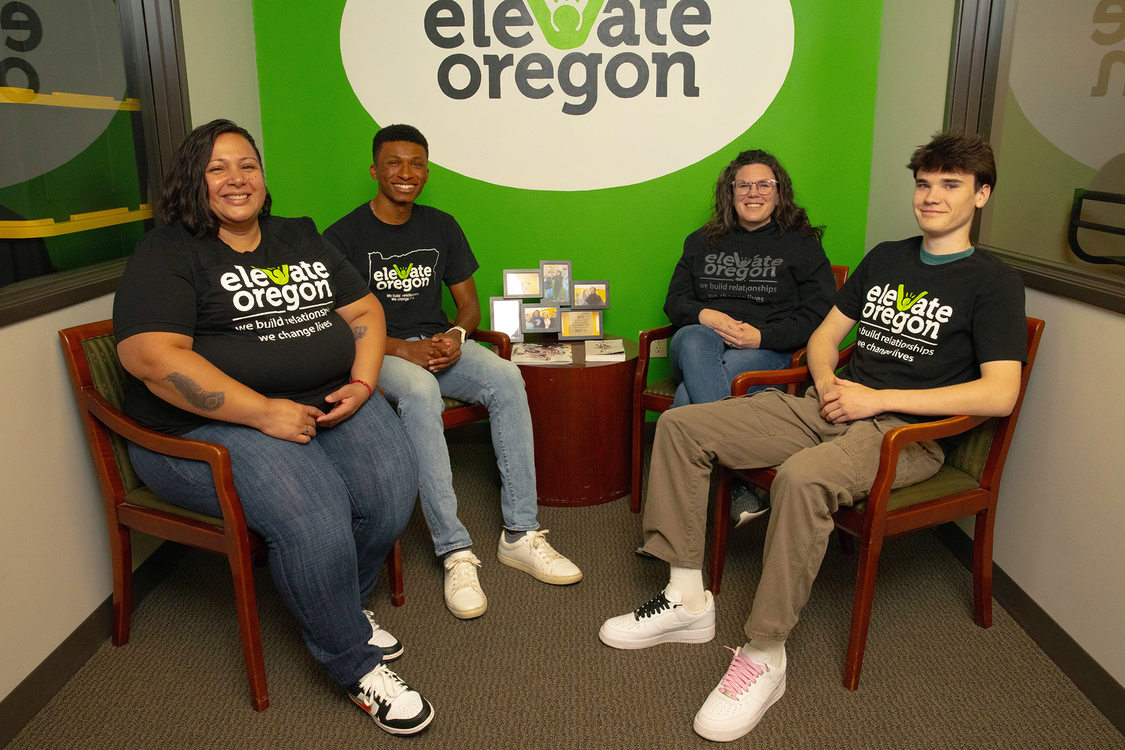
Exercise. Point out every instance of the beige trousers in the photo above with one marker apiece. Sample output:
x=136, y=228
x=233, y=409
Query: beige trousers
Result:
x=821, y=466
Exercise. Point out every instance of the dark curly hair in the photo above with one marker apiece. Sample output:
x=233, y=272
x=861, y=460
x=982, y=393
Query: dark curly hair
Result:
x=787, y=215
x=184, y=195
x=956, y=152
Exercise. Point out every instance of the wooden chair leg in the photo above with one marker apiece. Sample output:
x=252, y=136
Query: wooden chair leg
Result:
x=847, y=542
x=637, y=460
x=982, y=567
x=394, y=570
x=246, y=603
x=121, y=554
x=720, y=521
x=861, y=608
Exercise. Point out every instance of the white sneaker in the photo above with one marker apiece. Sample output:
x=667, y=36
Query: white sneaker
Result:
x=534, y=555
x=463, y=594
x=387, y=643
x=661, y=619
x=736, y=705
x=393, y=706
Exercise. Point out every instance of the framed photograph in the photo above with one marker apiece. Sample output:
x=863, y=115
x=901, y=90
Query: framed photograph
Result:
x=556, y=281
x=591, y=295
x=580, y=324
x=506, y=317
x=539, y=317
x=523, y=282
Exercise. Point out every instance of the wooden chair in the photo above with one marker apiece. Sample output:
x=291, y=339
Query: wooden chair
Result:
x=457, y=413
x=967, y=484
x=99, y=382
x=657, y=396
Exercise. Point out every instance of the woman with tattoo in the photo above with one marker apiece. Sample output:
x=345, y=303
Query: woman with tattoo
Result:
x=249, y=330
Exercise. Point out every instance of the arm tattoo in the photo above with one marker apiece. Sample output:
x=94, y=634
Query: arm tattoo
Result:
x=359, y=332
x=195, y=395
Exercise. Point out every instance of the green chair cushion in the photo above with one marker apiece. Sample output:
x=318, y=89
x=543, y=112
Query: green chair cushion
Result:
x=452, y=403
x=662, y=387
x=146, y=498
x=948, y=480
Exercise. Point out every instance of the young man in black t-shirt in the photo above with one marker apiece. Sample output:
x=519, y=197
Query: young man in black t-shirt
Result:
x=941, y=331
x=406, y=252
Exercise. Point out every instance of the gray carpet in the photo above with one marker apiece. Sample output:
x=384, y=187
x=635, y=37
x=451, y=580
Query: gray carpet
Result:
x=531, y=672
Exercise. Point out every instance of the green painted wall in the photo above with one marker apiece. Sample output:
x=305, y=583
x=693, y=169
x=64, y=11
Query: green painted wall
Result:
x=317, y=138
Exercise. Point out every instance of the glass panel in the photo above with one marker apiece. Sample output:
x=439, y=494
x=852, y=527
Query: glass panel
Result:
x=73, y=188
x=1057, y=127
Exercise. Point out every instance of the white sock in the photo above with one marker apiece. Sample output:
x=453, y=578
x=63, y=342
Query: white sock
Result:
x=688, y=583
x=772, y=649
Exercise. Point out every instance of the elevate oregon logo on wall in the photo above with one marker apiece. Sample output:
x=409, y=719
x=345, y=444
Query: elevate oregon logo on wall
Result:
x=568, y=94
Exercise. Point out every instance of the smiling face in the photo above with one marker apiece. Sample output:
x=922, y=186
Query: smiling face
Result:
x=944, y=205
x=236, y=190
x=401, y=169
x=755, y=210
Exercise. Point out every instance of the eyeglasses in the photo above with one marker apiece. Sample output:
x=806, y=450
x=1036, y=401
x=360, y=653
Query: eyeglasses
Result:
x=742, y=187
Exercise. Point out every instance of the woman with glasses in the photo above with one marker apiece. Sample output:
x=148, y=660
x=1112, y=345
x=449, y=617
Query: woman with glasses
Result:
x=751, y=286
x=752, y=283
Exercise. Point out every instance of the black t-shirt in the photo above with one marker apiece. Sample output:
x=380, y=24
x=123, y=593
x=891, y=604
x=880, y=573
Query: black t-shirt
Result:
x=780, y=283
x=265, y=318
x=923, y=326
x=405, y=264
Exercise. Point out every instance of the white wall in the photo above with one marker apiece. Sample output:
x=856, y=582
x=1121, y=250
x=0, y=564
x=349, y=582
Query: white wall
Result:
x=1061, y=518
x=54, y=550
x=221, y=68
x=1060, y=524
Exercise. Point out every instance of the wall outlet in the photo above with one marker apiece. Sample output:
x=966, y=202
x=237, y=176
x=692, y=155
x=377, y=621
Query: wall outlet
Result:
x=659, y=348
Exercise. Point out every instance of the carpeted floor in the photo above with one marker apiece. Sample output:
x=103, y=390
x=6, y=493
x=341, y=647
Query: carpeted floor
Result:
x=531, y=672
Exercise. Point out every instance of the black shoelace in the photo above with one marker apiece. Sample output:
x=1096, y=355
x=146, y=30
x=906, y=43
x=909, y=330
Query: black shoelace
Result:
x=653, y=606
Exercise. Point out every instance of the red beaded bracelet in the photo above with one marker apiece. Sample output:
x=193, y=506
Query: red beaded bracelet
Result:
x=364, y=384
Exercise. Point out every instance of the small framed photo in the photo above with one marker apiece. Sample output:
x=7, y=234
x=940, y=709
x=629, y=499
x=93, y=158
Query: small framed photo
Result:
x=591, y=295
x=556, y=281
x=539, y=317
x=506, y=317
x=523, y=282
x=580, y=324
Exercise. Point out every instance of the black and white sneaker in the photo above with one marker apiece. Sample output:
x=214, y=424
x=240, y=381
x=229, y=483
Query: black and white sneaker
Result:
x=387, y=643
x=392, y=704
x=661, y=619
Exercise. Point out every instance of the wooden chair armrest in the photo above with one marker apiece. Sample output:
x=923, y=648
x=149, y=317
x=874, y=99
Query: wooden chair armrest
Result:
x=215, y=455
x=898, y=438
x=644, y=353
x=793, y=374
x=501, y=341
x=743, y=382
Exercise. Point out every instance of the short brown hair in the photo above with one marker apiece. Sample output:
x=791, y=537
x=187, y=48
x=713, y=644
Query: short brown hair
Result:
x=956, y=152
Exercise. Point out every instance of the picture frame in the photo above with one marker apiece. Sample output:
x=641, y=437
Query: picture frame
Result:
x=580, y=325
x=505, y=317
x=590, y=295
x=523, y=283
x=557, y=281
x=539, y=311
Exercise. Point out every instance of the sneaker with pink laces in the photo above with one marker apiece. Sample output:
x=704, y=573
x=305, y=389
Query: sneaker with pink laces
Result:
x=751, y=685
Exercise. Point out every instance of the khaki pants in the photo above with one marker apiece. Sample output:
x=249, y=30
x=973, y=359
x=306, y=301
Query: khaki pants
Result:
x=821, y=466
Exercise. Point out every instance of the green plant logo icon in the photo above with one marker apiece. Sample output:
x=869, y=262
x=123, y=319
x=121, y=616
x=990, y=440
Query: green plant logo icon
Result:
x=566, y=24
x=403, y=272
x=278, y=274
x=906, y=301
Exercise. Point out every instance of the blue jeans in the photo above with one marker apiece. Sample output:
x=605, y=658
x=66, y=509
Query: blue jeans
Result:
x=479, y=377
x=329, y=511
x=706, y=366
